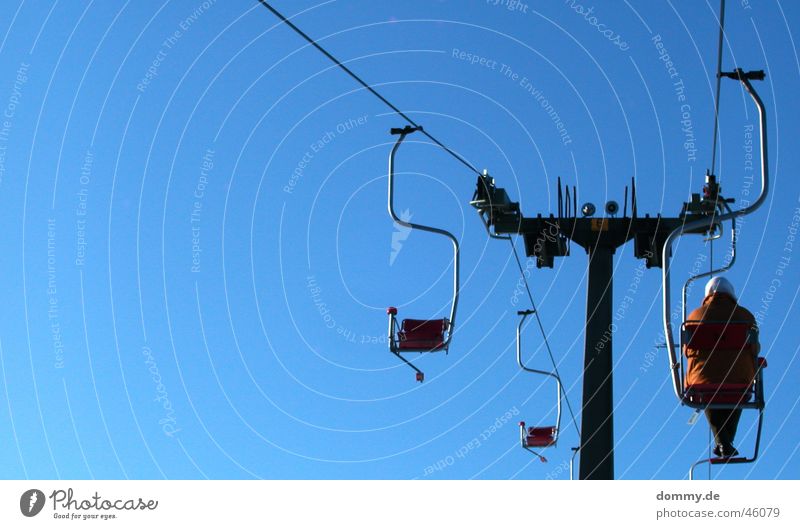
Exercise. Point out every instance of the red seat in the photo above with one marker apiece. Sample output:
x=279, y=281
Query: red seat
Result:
x=719, y=393
x=718, y=335
x=422, y=335
x=541, y=436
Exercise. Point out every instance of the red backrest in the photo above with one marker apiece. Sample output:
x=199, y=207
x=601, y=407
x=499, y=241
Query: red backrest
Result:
x=542, y=431
x=423, y=329
x=422, y=335
x=718, y=335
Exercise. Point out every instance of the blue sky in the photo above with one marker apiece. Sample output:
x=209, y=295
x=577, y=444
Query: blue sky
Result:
x=198, y=255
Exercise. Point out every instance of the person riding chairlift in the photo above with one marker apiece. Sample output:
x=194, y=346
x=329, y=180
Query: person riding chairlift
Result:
x=722, y=366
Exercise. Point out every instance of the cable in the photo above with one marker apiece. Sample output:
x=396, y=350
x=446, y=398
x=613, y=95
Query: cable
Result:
x=541, y=328
x=367, y=86
x=446, y=149
x=719, y=78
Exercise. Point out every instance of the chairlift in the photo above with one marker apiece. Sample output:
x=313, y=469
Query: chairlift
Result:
x=537, y=437
x=729, y=336
x=419, y=335
x=736, y=337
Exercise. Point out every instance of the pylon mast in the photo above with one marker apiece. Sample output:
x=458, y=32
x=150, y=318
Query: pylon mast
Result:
x=547, y=238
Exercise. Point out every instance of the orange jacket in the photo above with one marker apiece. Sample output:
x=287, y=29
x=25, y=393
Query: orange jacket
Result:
x=723, y=366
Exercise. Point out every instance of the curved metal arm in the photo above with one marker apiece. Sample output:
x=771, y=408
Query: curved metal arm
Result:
x=524, y=315
x=402, y=135
x=702, y=223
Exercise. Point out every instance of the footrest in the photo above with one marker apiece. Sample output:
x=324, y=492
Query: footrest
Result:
x=422, y=335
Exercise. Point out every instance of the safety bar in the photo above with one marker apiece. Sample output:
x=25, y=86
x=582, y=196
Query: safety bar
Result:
x=392, y=312
x=744, y=78
x=402, y=133
x=525, y=314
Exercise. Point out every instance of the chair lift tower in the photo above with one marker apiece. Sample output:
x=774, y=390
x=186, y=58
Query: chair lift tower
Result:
x=548, y=237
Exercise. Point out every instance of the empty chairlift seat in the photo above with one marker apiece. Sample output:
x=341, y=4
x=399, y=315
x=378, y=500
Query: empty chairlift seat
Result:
x=540, y=437
x=422, y=335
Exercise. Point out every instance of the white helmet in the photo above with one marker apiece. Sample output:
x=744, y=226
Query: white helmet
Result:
x=721, y=285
